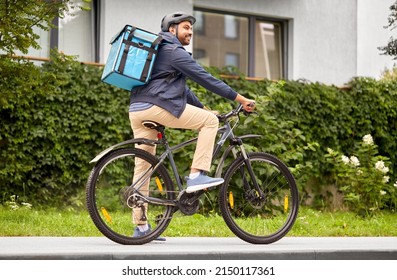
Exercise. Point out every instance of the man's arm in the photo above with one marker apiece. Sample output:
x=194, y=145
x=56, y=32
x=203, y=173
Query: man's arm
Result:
x=183, y=62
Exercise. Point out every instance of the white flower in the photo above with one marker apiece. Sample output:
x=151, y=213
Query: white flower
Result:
x=386, y=179
x=382, y=192
x=368, y=140
x=380, y=165
x=14, y=207
x=359, y=172
x=345, y=159
x=395, y=184
x=27, y=205
x=354, y=160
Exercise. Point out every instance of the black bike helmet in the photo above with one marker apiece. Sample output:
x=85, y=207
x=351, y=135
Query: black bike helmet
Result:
x=176, y=18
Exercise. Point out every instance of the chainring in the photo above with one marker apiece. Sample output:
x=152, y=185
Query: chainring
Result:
x=188, y=203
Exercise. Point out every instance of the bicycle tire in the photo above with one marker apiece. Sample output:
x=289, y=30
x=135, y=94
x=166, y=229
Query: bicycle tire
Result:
x=252, y=218
x=107, y=196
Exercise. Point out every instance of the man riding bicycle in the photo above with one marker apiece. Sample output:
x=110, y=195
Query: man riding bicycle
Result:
x=167, y=100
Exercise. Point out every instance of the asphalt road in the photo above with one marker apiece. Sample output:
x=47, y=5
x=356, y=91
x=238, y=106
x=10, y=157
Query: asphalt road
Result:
x=288, y=248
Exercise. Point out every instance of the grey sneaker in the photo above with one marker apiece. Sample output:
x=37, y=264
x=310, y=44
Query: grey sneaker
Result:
x=202, y=182
x=138, y=233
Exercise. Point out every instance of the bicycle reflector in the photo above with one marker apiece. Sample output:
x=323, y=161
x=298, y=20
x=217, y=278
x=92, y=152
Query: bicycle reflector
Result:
x=231, y=200
x=106, y=214
x=285, y=203
x=159, y=185
x=159, y=136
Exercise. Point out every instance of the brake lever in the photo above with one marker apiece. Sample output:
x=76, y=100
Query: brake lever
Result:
x=246, y=113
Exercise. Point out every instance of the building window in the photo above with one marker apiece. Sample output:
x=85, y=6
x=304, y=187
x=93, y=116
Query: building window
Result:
x=252, y=44
x=232, y=59
x=231, y=27
x=76, y=34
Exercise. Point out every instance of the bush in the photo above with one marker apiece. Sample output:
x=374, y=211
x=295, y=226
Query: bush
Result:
x=364, y=178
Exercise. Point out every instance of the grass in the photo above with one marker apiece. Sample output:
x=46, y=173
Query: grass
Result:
x=310, y=223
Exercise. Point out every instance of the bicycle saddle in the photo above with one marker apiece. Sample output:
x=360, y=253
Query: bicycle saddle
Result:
x=152, y=125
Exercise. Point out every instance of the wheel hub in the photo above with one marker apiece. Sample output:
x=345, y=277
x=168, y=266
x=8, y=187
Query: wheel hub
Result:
x=255, y=200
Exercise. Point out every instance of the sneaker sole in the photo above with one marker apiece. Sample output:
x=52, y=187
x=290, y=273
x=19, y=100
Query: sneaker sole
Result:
x=202, y=187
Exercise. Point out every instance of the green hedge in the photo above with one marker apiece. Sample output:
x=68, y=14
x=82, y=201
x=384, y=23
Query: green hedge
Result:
x=54, y=119
x=57, y=117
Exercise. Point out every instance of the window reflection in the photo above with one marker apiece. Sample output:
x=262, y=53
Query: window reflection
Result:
x=224, y=40
x=199, y=24
x=268, y=50
x=232, y=59
x=231, y=27
x=76, y=36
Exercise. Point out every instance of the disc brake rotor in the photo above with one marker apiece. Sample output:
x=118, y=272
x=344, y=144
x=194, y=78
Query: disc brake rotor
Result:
x=255, y=200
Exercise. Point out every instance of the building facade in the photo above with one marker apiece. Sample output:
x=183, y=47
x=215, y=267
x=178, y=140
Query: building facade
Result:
x=328, y=41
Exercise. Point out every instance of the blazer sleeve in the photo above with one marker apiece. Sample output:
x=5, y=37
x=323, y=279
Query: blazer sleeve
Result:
x=182, y=61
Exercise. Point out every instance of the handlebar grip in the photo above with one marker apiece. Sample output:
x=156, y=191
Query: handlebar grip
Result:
x=252, y=104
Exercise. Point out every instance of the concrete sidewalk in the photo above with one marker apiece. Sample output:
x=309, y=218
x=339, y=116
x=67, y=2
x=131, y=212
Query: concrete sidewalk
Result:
x=288, y=248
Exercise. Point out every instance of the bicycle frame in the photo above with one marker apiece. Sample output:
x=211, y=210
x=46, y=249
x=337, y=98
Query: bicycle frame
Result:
x=226, y=133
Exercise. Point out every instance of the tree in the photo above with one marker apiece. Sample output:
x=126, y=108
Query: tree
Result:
x=18, y=19
x=391, y=48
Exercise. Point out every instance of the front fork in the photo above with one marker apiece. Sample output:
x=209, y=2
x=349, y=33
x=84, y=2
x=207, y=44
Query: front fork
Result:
x=246, y=182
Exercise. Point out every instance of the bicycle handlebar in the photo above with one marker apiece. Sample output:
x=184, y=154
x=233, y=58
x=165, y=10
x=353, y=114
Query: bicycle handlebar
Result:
x=235, y=112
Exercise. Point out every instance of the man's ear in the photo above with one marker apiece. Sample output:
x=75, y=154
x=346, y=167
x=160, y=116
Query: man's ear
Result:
x=172, y=29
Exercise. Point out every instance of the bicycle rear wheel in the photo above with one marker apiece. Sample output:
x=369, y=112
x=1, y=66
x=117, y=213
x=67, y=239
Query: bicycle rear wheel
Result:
x=111, y=196
x=259, y=217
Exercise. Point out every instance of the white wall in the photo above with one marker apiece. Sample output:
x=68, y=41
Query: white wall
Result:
x=330, y=41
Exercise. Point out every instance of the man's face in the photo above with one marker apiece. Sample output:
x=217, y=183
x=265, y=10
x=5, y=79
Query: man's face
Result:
x=185, y=32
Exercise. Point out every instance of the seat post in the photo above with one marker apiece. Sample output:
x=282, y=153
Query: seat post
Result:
x=159, y=127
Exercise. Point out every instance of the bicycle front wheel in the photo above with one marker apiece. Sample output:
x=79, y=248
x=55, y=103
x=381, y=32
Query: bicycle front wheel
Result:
x=114, y=204
x=261, y=212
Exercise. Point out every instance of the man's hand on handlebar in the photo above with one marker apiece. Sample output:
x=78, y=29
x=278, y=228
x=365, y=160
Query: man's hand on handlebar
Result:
x=248, y=104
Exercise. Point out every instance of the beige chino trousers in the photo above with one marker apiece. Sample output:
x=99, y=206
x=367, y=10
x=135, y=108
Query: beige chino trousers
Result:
x=193, y=118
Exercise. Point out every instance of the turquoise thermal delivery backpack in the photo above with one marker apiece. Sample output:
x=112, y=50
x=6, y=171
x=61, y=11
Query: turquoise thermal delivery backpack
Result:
x=131, y=58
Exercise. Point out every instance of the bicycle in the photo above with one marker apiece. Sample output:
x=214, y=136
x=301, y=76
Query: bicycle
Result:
x=258, y=199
